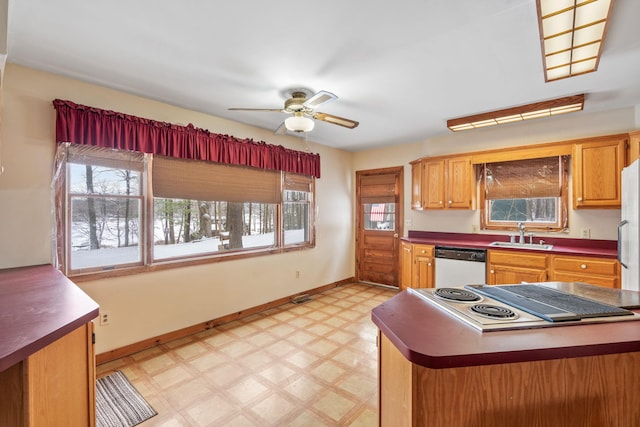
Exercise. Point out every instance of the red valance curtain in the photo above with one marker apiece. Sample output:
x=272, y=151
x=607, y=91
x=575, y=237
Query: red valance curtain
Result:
x=80, y=124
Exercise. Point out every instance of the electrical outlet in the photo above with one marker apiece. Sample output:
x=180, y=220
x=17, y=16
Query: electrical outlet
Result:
x=105, y=318
x=474, y=228
x=586, y=233
x=297, y=274
x=408, y=222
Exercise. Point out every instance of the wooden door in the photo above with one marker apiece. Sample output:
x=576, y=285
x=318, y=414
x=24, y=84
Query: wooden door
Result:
x=379, y=224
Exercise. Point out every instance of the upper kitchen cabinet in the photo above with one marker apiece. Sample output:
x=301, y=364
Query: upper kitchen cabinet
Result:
x=443, y=183
x=597, y=168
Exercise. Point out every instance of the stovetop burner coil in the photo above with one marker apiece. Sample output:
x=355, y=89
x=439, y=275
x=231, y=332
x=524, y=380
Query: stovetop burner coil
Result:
x=456, y=294
x=493, y=311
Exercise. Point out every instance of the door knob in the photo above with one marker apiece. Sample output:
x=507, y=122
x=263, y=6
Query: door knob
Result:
x=395, y=234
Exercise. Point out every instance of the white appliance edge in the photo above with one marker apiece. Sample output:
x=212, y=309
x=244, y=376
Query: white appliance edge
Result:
x=628, y=229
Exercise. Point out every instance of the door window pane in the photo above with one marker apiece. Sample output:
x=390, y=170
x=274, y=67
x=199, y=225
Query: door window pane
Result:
x=379, y=216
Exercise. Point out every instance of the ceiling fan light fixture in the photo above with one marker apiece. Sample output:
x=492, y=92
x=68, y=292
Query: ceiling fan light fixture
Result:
x=299, y=123
x=536, y=110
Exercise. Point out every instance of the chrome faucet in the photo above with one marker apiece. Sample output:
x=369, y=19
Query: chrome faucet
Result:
x=521, y=228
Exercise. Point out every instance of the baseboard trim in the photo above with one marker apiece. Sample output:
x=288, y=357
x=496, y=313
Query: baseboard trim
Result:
x=190, y=330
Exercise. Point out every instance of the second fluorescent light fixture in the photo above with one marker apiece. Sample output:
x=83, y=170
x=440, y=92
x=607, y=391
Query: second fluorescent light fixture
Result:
x=536, y=110
x=571, y=35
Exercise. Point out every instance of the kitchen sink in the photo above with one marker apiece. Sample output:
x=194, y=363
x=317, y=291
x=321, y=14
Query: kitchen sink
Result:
x=536, y=246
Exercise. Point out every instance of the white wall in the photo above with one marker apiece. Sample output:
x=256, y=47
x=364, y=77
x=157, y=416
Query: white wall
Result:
x=601, y=222
x=146, y=305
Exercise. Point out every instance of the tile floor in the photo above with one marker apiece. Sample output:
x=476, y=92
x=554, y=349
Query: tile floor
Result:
x=312, y=364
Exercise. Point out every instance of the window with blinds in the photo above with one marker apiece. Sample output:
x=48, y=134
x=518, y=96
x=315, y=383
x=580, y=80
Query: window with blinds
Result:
x=531, y=191
x=119, y=209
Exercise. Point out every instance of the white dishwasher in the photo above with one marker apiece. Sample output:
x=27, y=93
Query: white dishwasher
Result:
x=460, y=266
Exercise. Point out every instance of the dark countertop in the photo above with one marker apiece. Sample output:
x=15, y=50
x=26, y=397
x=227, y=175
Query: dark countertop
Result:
x=38, y=305
x=432, y=338
x=578, y=247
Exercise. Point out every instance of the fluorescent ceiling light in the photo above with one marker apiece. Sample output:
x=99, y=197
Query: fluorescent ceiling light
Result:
x=571, y=35
x=536, y=110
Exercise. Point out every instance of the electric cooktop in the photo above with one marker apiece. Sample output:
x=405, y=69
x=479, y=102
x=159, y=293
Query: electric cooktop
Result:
x=526, y=306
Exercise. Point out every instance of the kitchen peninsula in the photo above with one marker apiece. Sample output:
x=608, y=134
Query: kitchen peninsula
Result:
x=47, y=361
x=437, y=371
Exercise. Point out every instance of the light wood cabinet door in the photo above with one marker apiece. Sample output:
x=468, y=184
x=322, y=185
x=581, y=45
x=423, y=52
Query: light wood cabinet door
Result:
x=597, y=169
x=460, y=183
x=448, y=183
x=423, y=272
x=406, y=265
x=433, y=181
x=595, y=271
x=511, y=267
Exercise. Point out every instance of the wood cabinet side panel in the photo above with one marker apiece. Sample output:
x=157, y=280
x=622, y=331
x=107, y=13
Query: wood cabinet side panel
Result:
x=395, y=386
x=604, y=390
x=59, y=383
x=12, y=392
x=516, y=394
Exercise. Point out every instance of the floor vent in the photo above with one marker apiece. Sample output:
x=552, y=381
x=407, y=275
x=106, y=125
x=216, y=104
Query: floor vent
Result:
x=301, y=299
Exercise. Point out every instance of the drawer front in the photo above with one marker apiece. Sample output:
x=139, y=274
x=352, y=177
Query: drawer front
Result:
x=607, y=282
x=607, y=267
x=423, y=250
x=517, y=259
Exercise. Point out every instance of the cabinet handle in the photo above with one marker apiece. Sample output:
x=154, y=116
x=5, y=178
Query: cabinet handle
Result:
x=423, y=251
x=491, y=271
x=450, y=202
x=440, y=202
x=583, y=266
x=429, y=264
x=579, y=199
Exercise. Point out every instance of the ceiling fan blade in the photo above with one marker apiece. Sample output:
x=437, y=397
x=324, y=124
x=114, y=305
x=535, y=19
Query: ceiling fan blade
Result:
x=341, y=121
x=322, y=97
x=276, y=110
x=282, y=129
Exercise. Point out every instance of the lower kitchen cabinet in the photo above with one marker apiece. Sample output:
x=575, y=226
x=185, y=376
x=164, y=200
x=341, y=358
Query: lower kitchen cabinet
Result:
x=417, y=266
x=54, y=386
x=47, y=356
x=511, y=267
x=595, y=271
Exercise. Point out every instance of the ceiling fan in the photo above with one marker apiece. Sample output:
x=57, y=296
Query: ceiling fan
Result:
x=301, y=103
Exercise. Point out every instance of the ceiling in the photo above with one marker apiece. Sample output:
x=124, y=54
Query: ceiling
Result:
x=401, y=69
